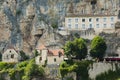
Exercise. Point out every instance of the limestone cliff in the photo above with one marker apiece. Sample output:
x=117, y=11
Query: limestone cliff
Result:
x=27, y=23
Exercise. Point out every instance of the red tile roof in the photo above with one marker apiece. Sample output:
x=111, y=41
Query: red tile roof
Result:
x=55, y=52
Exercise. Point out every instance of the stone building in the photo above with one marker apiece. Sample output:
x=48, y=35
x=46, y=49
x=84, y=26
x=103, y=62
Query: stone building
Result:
x=100, y=23
x=52, y=56
x=11, y=55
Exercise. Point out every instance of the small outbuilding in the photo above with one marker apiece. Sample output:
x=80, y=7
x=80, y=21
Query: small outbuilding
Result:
x=11, y=55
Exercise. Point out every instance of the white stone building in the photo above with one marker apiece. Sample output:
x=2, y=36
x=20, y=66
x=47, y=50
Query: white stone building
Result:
x=11, y=55
x=53, y=56
x=100, y=23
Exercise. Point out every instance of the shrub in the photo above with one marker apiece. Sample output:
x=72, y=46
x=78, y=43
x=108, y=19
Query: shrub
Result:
x=22, y=64
x=5, y=65
x=23, y=56
x=33, y=70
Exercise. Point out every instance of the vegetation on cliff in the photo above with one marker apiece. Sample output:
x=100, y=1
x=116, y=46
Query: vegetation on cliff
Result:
x=22, y=71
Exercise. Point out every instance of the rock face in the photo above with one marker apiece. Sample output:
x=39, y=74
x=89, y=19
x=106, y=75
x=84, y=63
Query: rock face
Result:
x=113, y=43
x=27, y=23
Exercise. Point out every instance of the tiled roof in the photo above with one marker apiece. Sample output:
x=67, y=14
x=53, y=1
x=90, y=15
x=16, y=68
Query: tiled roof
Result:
x=55, y=52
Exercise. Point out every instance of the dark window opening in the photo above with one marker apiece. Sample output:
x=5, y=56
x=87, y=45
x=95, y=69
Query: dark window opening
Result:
x=54, y=59
x=97, y=19
x=90, y=20
x=40, y=58
x=10, y=51
x=12, y=56
x=83, y=20
x=59, y=54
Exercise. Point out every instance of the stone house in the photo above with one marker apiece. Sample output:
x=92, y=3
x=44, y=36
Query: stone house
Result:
x=11, y=55
x=55, y=56
x=42, y=50
x=52, y=56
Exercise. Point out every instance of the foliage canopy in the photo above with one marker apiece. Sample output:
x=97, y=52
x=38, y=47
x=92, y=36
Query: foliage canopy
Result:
x=76, y=48
x=98, y=47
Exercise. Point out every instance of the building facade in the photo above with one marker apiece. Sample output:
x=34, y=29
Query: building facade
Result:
x=11, y=55
x=51, y=56
x=100, y=23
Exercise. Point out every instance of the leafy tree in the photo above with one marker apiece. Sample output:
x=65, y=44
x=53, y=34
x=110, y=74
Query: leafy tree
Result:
x=54, y=25
x=33, y=70
x=76, y=48
x=80, y=67
x=23, y=56
x=22, y=64
x=98, y=47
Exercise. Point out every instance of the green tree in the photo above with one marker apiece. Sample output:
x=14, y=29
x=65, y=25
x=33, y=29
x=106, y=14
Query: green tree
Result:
x=23, y=56
x=32, y=70
x=76, y=48
x=98, y=47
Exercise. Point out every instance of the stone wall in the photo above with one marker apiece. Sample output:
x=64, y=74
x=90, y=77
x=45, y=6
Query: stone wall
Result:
x=101, y=67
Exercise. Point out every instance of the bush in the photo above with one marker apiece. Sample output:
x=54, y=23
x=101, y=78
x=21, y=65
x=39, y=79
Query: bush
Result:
x=23, y=56
x=33, y=70
x=110, y=75
x=22, y=64
x=18, y=12
x=5, y=65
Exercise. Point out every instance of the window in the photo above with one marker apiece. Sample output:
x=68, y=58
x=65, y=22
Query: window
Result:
x=40, y=58
x=69, y=20
x=12, y=56
x=104, y=19
x=10, y=51
x=83, y=20
x=97, y=25
x=90, y=26
x=76, y=20
x=112, y=25
x=76, y=26
x=59, y=54
x=90, y=20
x=97, y=19
x=69, y=26
x=105, y=25
x=83, y=26
x=112, y=19
x=54, y=59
